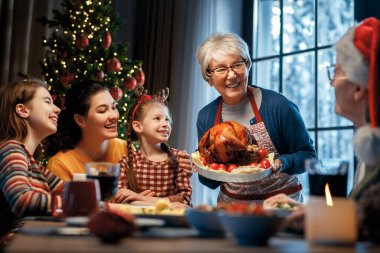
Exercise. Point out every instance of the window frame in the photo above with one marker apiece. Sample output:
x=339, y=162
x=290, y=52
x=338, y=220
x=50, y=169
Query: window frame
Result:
x=248, y=34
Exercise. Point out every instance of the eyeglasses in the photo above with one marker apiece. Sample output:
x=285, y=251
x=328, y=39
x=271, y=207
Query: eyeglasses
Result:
x=330, y=72
x=333, y=75
x=238, y=68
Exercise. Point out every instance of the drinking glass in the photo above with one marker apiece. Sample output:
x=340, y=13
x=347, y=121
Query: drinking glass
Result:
x=80, y=198
x=107, y=174
x=331, y=171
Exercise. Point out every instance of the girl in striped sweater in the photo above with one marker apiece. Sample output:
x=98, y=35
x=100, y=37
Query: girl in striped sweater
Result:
x=28, y=115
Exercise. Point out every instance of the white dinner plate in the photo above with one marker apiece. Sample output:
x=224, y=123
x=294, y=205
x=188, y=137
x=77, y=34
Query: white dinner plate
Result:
x=148, y=222
x=77, y=221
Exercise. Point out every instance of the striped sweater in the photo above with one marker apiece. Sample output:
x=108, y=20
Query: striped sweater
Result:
x=25, y=185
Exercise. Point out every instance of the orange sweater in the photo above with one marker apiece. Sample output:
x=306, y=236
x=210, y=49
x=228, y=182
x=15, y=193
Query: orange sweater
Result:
x=65, y=163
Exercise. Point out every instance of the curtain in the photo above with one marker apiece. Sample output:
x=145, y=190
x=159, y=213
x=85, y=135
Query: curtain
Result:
x=149, y=31
x=164, y=34
x=194, y=21
x=21, y=43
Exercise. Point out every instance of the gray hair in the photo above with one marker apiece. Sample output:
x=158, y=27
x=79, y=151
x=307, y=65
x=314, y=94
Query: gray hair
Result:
x=218, y=45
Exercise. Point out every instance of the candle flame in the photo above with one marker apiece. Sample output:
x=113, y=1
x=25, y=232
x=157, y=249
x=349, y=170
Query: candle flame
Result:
x=329, y=200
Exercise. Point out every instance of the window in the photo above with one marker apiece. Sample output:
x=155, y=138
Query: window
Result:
x=292, y=46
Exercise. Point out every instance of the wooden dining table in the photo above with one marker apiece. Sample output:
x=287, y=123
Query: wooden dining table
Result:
x=36, y=236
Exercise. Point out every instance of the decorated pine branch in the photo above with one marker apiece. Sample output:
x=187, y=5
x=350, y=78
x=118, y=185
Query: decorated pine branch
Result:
x=81, y=47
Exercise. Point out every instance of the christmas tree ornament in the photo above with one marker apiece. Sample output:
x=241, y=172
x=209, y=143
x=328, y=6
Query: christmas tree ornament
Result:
x=113, y=65
x=63, y=54
x=129, y=83
x=66, y=78
x=106, y=39
x=82, y=42
x=140, y=77
x=54, y=96
x=99, y=75
x=116, y=93
x=61, y=102
x=80, y=48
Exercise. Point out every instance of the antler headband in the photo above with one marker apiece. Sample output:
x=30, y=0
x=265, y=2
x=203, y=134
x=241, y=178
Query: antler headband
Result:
x=161, y=97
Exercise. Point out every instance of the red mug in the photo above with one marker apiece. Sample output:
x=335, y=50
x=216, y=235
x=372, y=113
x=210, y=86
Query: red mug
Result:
x=80, y=198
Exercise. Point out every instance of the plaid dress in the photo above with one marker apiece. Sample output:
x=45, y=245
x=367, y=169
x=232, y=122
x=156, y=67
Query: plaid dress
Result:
x=158, y=177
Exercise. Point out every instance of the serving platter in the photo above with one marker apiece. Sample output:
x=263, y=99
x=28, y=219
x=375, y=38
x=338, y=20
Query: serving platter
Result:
x=221, y=176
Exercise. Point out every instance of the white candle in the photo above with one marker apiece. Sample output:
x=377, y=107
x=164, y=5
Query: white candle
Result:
x=331, y=224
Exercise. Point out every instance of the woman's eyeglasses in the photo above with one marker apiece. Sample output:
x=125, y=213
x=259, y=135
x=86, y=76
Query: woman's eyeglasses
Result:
x=238, y=68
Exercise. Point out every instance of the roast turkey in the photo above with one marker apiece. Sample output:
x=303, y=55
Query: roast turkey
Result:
x=229, y=142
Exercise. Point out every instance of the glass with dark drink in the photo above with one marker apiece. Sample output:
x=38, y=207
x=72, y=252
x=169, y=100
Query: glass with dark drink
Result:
x=107, y=175
x=331, y=171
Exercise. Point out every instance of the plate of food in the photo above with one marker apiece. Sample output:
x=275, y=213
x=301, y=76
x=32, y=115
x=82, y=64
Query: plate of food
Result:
x=230, y=172
x=228, y=152
x=172, y=217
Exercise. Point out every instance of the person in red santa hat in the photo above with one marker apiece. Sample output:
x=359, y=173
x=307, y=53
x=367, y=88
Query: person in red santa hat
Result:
x=357, y=89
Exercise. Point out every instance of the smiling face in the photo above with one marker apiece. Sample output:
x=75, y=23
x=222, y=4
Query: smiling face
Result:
x=42, y=114
x=101, y=118
x=233, y=85
x=155, y=125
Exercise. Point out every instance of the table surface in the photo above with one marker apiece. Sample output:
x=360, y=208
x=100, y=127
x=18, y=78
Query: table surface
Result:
x=162, y=240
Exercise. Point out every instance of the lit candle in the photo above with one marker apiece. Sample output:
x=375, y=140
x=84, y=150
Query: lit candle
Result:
x=331, y=221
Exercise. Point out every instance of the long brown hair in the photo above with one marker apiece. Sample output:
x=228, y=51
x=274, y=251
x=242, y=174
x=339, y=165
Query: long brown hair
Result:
x=12, y=126
x=138, y=114
x=77, y=101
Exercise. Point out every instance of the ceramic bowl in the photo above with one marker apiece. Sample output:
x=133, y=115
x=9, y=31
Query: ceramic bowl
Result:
x=205, y=222
x=250, y=229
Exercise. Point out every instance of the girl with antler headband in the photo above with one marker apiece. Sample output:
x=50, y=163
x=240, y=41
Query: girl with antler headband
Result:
x=87, y=131
x=154, y=167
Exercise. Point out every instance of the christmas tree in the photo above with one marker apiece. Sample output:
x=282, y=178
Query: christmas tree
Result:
x=81, y=48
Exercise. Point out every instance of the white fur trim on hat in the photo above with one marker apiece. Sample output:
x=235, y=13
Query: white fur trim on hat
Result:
x=367, y=144
x=351, y=60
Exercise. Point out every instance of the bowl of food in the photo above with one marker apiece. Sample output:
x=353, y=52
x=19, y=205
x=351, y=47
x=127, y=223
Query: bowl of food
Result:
x=249, y=224
x=204, y=219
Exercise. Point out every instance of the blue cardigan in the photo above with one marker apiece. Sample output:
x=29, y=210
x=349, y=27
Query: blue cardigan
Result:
x=284, y=125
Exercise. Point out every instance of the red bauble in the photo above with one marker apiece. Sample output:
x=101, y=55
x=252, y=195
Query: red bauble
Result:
x=116, y=93
x=106, y=39
x=99, y=75
x=54, y=96
x=66, y=78
x=63, y=54
x=82, y=42
x=129, y=83
x=61, y=100
x=113, y=65
x=140, y=77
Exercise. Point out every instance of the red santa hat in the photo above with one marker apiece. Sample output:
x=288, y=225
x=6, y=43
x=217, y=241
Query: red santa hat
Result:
x=358, y=55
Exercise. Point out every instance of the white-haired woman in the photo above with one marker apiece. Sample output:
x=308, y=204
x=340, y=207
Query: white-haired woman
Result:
x=225, y=63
